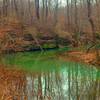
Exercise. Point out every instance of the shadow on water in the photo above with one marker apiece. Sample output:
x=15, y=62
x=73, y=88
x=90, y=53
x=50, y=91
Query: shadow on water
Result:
x=43, y=76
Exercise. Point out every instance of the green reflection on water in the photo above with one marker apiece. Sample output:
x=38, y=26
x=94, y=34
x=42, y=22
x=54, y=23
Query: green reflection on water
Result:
x=46, y=61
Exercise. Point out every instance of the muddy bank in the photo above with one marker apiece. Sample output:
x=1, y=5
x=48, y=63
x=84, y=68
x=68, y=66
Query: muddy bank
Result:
x=79, y=56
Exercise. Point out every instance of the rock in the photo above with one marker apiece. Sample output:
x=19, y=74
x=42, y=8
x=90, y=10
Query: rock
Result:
x=13, y=34
x=64, y=41
x=28, y=37
x=47, y=38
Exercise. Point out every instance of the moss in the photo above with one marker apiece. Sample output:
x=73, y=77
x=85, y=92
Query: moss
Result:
x=39, y=35
x=98, y=36
x=49, y=45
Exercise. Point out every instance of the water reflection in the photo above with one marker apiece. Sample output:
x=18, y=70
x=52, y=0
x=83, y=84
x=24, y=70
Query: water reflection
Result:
x=66, y=84
x=66, y=80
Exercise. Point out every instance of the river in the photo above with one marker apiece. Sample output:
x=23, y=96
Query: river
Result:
x=46, y=77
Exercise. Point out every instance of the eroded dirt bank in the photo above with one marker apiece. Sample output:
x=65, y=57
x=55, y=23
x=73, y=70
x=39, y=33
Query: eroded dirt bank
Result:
x=79, y=56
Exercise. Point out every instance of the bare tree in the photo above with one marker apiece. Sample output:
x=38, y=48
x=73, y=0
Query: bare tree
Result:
x=5, y=7
x=56, y=12
x=92, y=27
x=90, y=19
x=37, y=9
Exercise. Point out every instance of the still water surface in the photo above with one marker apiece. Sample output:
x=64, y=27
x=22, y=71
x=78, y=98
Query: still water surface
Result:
x=47, y=77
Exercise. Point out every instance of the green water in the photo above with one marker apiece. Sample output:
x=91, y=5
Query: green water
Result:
x=56, y=79
x=32, y=61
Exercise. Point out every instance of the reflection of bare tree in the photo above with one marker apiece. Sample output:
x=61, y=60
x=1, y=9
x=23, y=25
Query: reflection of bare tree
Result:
x=13, y=85
x=39, y=96
x=68, y=84
x=94, y=88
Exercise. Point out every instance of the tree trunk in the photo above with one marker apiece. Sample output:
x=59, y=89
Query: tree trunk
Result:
x=37, y=9
x=92, y=27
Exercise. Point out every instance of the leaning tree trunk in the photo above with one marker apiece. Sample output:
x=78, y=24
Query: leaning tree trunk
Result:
x=92, y=27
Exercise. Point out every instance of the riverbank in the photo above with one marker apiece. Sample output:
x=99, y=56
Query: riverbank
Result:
x=80, y=56
x=14, y=39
